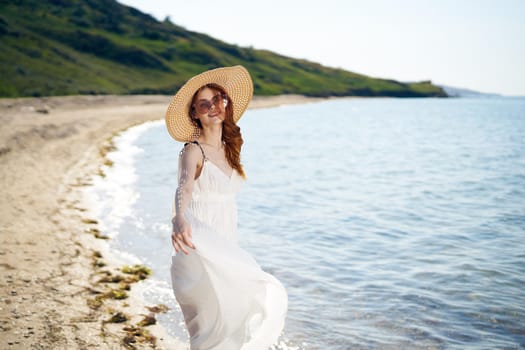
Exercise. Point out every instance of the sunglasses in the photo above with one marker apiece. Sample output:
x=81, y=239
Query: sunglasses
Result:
x=204, y=106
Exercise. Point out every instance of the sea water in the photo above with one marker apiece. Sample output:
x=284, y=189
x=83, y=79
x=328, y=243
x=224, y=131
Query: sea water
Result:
x=392, y=223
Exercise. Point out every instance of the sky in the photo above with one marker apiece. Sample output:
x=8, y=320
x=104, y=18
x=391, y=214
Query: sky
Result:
x=473, y=44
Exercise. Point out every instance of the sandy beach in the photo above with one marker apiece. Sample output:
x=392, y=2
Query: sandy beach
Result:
x=60, y=288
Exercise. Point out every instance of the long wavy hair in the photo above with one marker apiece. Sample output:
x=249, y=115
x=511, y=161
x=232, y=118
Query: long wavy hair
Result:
x=231, y=132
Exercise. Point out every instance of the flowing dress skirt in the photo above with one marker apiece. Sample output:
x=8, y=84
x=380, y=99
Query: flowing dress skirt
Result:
x=228, y=301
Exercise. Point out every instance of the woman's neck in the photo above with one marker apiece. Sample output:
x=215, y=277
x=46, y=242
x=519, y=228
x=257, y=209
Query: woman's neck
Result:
x=212, y=136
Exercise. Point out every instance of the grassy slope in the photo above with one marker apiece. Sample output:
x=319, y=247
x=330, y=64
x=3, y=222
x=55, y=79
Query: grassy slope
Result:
x=61, y=47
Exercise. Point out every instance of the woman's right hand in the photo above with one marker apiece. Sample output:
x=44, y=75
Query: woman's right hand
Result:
x=181, y=235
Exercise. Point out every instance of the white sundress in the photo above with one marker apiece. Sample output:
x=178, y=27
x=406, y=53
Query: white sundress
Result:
x=228, y=301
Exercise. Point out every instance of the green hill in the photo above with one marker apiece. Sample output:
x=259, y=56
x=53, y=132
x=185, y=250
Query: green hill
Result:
x=64, y=47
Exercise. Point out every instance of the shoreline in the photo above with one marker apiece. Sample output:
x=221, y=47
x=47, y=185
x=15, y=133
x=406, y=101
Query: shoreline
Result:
x=51, y=260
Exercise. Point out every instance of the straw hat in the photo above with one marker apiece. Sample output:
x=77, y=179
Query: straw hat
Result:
x=235, y=80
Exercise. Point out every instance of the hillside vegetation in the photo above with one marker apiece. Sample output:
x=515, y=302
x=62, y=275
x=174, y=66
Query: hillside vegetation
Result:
x=64, y=47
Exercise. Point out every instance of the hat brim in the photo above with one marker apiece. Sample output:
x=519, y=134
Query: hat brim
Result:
x=235, y=80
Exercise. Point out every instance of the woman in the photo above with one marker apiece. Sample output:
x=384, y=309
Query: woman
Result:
x=227, y=301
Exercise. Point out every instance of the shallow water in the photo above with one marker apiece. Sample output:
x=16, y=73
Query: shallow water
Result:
x=393, y=223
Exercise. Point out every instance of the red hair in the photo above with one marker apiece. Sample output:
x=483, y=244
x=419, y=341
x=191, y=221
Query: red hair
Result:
x=231, y=132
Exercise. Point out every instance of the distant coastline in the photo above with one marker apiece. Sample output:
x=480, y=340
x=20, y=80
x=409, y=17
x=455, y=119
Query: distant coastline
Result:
x=462, y=92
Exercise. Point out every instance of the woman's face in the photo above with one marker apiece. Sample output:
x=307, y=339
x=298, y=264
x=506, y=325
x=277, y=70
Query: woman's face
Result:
x=209, y=107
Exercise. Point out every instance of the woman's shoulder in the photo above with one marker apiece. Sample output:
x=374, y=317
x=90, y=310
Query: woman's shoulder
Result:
x=191, y=150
